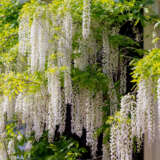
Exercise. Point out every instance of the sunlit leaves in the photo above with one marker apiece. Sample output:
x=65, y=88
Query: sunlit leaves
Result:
x=12, y=84
x=117, y=13
x=149, y=66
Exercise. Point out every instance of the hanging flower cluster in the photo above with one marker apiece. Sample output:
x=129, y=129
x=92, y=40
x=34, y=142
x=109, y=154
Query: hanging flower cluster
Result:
x=32, y=110
x=3, y=154
x=46, y=108
x=123, y=76
x=145, y=114
x=56, y=116
x=48, y=44
x=24, y=35
x=110, y=63
x=39, y=41
x=66, y=49
x=136, y=119
x=86, y=18
x=87, y=113
x=11, y=150
x=121, y=131
x=158, y=103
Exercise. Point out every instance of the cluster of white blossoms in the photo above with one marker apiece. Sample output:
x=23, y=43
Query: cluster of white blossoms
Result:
x=121, y=131
x=87, y=111
x=145, y=113
x=40, y=40
x=11, y=150
x=46, y=109
x=106, y=54
x=87, y=114
x=86, y=18
x=81, y=100
x=95, y=114
x=137, y=118
x=24, y=36
x=123, y=76
x=7, y=107
x=66, y=49
x=82, y=61
x=33, y=112
x=113, y=142
x=55, y=104
x=3, y=152
x=35, y=39
x=158, y=102
x=110, y=63
x=40, y=111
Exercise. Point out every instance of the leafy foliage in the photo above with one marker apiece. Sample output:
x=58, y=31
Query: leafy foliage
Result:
x=117, y=13
x=9, y=13
x=147, y=67
x=67, y=149
x=13, y=83
x=63, y=148
x=104, y=14
x=92, y=78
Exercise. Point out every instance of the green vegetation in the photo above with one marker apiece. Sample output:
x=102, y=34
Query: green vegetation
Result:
x=147, y=67
x=62, y=148
x=104, y=14
x=116, y=13
x=92, y=78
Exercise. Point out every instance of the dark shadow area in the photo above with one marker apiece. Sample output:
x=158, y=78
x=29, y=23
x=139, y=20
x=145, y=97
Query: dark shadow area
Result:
x=100, y=147
x=136, y=34
x=82, y=139
x=139, y=155
x=67, y=131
